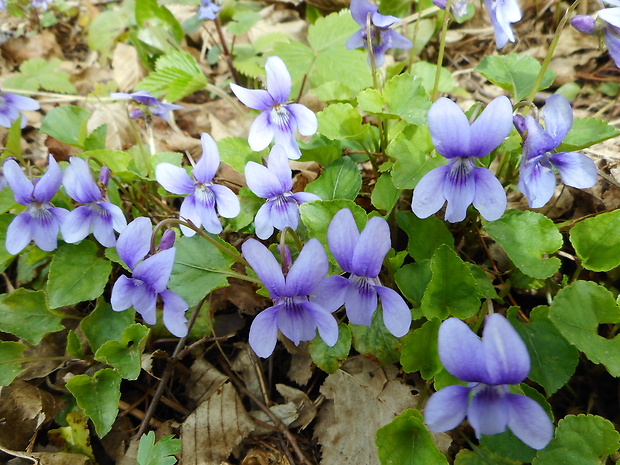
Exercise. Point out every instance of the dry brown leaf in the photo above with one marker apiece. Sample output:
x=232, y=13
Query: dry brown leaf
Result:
x=215, y=428
x=24, y=408
x=204, y=381
x=42, y=356
x=127, y=69
x=286, y=413
x=305, y=407
x=119, y=133
x=301, y=367
x=245, y=365
x=364, y=397
x=42, y=45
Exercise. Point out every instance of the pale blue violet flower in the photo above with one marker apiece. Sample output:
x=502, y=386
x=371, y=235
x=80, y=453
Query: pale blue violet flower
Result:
x=147, y=105
x=12, y=105
x=42, y=5
x=361, y=255
x=278, y=119
x=274, y=183
x=461, y=182
x=537, y=180
x=149, y=277
x=294, y=313
x=458, y=7
x=608, y=27
x=199, y=206
x=97, y=214
x=502, y=14
x=208, y=10
x=382, y=38
x=489, y=366
x=42, y=220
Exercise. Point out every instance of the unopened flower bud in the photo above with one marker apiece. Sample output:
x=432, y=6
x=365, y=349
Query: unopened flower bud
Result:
x=583, y=23
x=104, y=175
x=519, y=122
x=167, y=240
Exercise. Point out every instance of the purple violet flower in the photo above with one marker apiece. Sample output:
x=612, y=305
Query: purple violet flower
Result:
x=458, y=7
x=460, y=182
x=537, y=181
x=489, y=366
x=199, y=206
x=40, y=4
x=147, y=105
x=149, y=278
x=502, y=14
x=278, y=120
x=361, y=255
x=382, y=37
x=96, y=215
x=12, y=105
x=42, y=220
x=608, y=27
x=208, y=10
x=274, y=183
x=292, y=313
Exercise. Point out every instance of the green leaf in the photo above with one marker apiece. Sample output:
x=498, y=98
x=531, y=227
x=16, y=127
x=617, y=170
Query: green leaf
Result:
x=105, y=29
x=199, y=268
x=10, y=366
x=243, y=21
x=577, y=311
x=151, y=15
x=527, y=237
x=425, y=235
x=176, y=75
x=385, y=195
x=586, y=132
x=411, y=148
x=403, y=96
x=236, y=152
x=597, y=241
x=98, y=397
x=329, y=358
x=481, y=456
x=5, y=219
x=25, y=313
x=74, y=438
x=412, y=280
x=77, y=274
x=38, y=73
x=250, y=204
x=340, y=180
x=406, y=441
x=452, y=291
x=376, y=340
x=553, y=359
x=317, y=215
x=104, y=324
x=116, y=160
x=321, y=150
x=96, y=140
x=486, y=289
x=514, y=73
x=125, y=355
x=67, y=123
x=426, y=72
x=420, y=351
x=340, y=121
x=507, y=445
x=160, y=453
x=581, y=439
x=74, y=345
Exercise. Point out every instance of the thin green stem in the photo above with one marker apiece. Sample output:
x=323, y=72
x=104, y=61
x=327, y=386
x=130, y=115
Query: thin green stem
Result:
x=149, y=131
x=376, y=84
x=145, y=157
x=552, y=47
x=291, y=232
x=442, y=47
x=416, y=16
x=217, y=91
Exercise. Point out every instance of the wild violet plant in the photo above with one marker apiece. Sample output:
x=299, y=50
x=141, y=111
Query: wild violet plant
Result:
x=389, y=157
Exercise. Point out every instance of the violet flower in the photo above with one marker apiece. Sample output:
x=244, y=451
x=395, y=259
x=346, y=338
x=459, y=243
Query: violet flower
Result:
x=208, y=10
x=537, y=181
x=42, y=220
x=149, y=277
x=96, y=215
x=12, y=105
x=608, y=27
x=382, y=37
x=42, y=5
x=489, y=366
x=147, y=105
x=361, y=255
x=502, y=14
x=458, y=7
x=274, y=183
x=460, y=182
x=199, y=206
x=292, y=313
x=278, y=120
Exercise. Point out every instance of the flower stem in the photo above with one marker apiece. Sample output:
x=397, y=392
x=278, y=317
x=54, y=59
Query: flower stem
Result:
x=552, y=47
x=442, y=47
x=227, y=56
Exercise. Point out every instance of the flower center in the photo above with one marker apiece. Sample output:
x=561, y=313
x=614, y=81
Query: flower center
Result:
x=40, y=211
x=204, y=195
x=461, y=168
x=281, y=117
